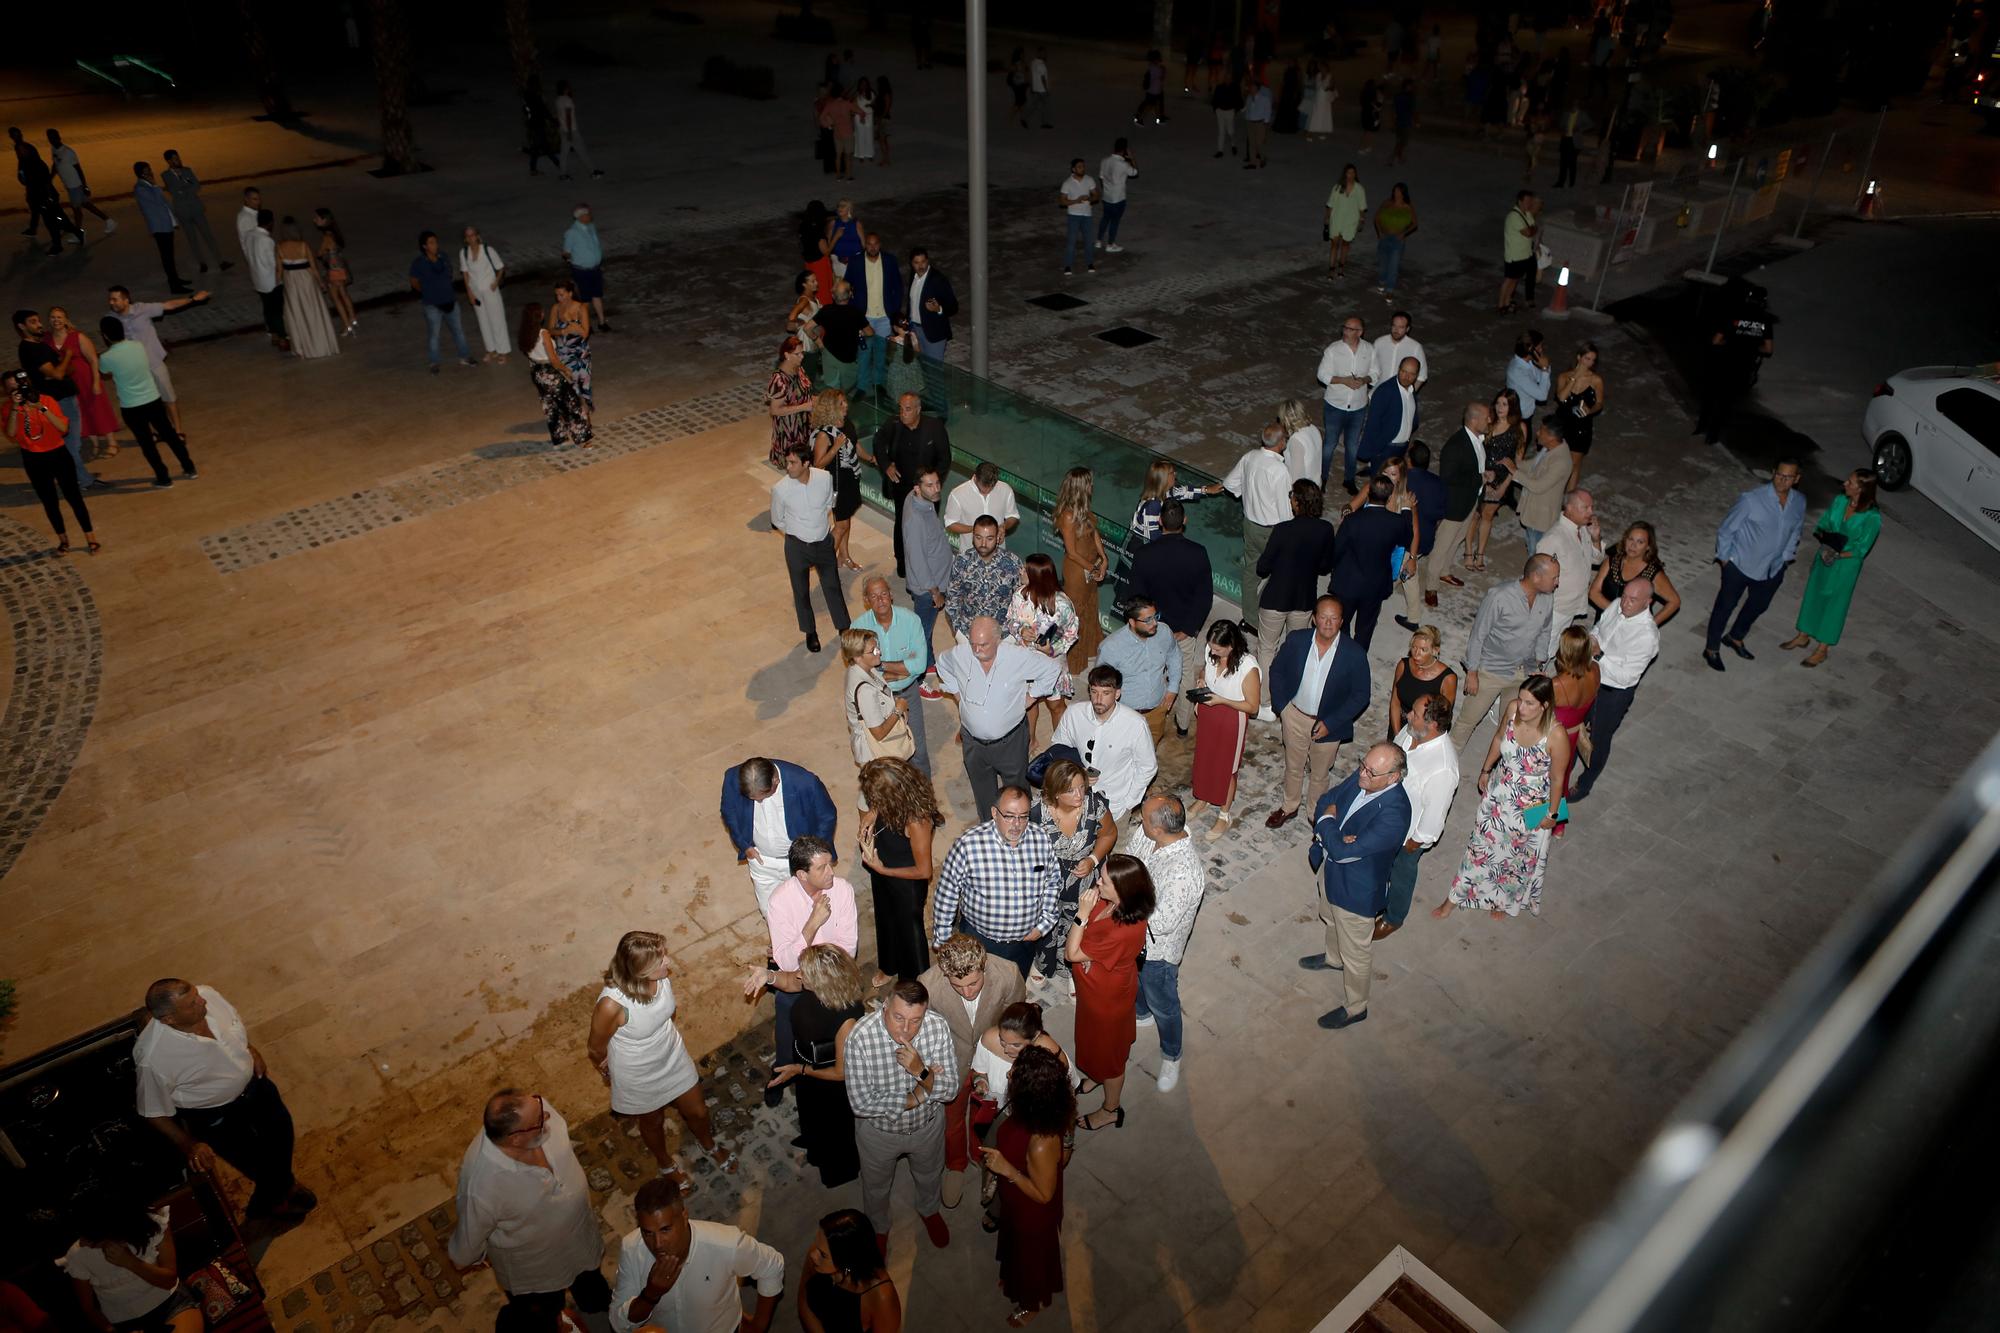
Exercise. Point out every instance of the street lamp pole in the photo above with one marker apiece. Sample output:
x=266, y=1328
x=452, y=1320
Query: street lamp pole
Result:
x=975, y=175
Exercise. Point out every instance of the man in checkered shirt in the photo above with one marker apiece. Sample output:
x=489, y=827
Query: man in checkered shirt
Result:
x=1000, y=883
x=900, y=1074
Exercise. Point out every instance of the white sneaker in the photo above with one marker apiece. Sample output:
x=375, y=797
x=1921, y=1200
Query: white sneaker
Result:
x=1144, y=1020
x=1170, y=1075
x=1114, y=249
x=110, y=225
x=1264, y=714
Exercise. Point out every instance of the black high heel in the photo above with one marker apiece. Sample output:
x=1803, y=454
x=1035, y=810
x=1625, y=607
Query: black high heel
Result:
x=1119, y=1123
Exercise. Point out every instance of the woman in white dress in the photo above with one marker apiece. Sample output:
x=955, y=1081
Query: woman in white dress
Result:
x=124, y=1269
x=864, y=121
x=481, y=266
x=306, y=317
x=639, y=1052
x=1319, y=81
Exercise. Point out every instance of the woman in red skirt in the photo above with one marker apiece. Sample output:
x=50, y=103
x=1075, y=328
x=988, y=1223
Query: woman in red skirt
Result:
x=1105, y=940
x=1235, y=688
x=1034, y=1147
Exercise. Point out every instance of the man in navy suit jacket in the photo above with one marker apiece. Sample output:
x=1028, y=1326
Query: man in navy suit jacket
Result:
x=1319, y=685
x=1385, y=417
x=932, y=304
x=1358, y=828
x=793, y=803
x=865, y=299
x=1362, y=579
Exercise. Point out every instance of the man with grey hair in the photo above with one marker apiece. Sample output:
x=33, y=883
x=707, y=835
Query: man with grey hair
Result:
x=1357, y=830
x=1463, y=469
x=585, y=256
x=1263, y=481
x=1161, y=841
x=993, y=678
x=1509, y=639
x=524, y=1206
x=1626, y=640
x=204, y=1086
x=1578, y=549
x=906, y=652
x=765, y=804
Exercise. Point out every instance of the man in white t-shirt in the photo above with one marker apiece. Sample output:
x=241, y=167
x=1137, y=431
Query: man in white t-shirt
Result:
x=1079, y=193
x=572, y=136
x=985, y=494
x=69, y=170
x=1114, y=171
x=1038, y=86
x=1393, y=346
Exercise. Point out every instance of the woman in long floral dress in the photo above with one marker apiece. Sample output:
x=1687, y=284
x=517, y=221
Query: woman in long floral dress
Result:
x=1505, y=858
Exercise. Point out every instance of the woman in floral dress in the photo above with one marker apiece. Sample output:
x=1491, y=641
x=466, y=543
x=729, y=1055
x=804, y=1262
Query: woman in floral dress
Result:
x=791, y=396
x=1520, y=781
x=1044, y=619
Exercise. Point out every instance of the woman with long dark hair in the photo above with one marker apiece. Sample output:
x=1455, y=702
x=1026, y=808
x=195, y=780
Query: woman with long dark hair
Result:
x=1233, y=687
x=1105, y=940
x=1395, y=223
x=332, y=255
x=1346, y=205
x=897, y=837
x=790, y=394
x=1080, y=824
x=1043, y=618
x=569, y=321
x=1033, y=1146
x=847, y=1288
x=562, y=405
x=1846, y=533
x=1521, y=786
x=124, y=1270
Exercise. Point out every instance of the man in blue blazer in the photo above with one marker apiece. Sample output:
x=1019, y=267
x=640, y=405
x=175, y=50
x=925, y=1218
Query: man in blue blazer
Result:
x=932, y=304
x=878, y=295
x=765, y=804
x=1392, y=417
x=1362, y=577
x=1319, y=685
x=1358, y=828
x=1429, y=491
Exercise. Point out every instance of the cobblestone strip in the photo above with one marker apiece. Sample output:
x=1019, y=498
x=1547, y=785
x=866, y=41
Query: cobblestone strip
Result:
x=485, y=472
x=58, y=662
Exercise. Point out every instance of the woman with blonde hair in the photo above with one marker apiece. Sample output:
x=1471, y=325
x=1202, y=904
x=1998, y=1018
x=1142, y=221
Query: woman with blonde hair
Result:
x=1302, y=440
x=1084, y=563
x=836, y=451
x=1577, y=682
x=1421, y=672
x=1161, y=486
x=639, y=1052
x=829, y=1005
x=897, y=835
x=1043, y=618
x=878, y=720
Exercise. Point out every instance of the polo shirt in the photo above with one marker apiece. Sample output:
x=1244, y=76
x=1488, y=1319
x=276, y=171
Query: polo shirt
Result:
x=580, y=243
x=902, y=642
x=127, y=365
x=434, y=280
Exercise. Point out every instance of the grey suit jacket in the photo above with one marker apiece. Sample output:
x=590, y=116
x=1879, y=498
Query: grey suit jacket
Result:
x=1003, y=987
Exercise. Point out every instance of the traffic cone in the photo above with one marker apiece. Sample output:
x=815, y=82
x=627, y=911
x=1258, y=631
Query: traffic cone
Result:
x=1869, y=197
x=1559, y=308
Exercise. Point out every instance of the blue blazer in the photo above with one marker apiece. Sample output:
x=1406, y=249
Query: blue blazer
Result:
x=892, y=284
x=1428, y=489
x=808, y=809
x=1345, y=697
x=1385, y=418
x=936, y=325
x=1361, y=886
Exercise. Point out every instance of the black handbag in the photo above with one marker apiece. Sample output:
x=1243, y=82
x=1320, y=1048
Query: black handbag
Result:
x=1832, y=541
x=816, y=1054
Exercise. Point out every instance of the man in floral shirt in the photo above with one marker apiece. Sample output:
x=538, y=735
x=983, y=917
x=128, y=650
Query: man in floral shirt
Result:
x=983, y=579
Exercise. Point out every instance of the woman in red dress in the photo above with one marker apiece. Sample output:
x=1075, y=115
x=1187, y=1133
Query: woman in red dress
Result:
x=1105, y=940
x=97, y=413
x=1235, y=686
x=1034, y=1145
x=1576, y=681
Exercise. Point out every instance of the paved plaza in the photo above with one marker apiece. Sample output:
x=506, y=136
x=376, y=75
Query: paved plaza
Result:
x=391, y=724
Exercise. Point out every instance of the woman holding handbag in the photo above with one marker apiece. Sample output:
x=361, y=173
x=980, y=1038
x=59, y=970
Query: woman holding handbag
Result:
x=878, y=720
x=1846, y=533
x=1521, y=796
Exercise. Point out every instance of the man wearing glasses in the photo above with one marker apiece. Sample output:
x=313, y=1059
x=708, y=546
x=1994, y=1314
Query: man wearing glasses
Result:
x=524, y=1206
x=999, y=883
x=1358, y=828
x=1148, y=663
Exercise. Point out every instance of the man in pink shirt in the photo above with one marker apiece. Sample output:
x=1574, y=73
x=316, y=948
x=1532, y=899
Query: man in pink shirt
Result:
x=814, y=906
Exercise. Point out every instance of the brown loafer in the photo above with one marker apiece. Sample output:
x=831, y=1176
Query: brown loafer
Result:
x=1383, y=930
x=1451, y=579
x=1279, y=818
x=1430, y=599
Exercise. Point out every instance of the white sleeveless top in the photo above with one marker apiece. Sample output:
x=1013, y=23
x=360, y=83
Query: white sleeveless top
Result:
x=649, y=1062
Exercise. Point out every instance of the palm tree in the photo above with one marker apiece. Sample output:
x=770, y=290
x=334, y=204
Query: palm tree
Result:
x=392, y=79
x=270, y=81
x=521, y=45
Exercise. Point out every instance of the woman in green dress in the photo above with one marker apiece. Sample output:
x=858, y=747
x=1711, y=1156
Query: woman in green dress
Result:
x=1853, y=522
x=1345, y=208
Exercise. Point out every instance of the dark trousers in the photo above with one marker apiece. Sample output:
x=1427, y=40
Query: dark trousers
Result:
x=148, y=420
x=254, y=1135
x=273, y=302
x=803, y=556
x=1755, y=594
x=991, y=765
x=165, y=241
x=895, y=492
x=1721, y=386
x=900, y=948
x=540, y=1311
x=1402, y=884
x=51, y=472
x=1607, y=714
x=1361, y=617
x=48, y=210
x=1566, y=161
x=1021, y=953
x=782, y=1036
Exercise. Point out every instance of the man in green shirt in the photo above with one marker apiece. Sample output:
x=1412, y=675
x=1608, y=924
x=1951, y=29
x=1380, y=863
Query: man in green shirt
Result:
x=131, y=372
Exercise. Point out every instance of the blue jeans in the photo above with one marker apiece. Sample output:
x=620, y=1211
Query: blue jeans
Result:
x=785, y=1053
x=1107, y=226
x=1402, y=885
x=1341, y=426
x=1079, y=230
x=870, y=366
x=433, y=318
x=928, y=350
x=922, y=757
x=1533, y=536
x=74, y=440
x=1389, y=260
x=1160, y=996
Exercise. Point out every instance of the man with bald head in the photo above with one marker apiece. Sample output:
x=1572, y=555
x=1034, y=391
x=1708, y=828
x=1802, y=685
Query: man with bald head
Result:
x=1463, y=468
x=204, y=1086
x=524, y=1206
x=1578, y=549
x=1509, y=639
x=904, y=446
x=1358, y=828
x=993, y=678
x=1626, y=640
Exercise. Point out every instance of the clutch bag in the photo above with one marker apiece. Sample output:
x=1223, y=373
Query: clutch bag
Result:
x=1537, y=815
x=1833, y=541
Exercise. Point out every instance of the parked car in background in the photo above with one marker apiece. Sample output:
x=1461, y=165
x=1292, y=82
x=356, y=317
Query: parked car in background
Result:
x=1938, y=428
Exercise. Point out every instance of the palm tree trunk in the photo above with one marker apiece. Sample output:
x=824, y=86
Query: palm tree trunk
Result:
x=521, y=45
x=1163, y=28
x=270, y=81
x=392, y=80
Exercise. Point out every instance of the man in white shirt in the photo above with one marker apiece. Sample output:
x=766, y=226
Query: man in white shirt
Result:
x=524, y=1205
x=1114, y=741
x=755, y=797
x=1578, y=550
x=802, y=510
x=687, y=1276
x=1180, y=881
x=204, y=1086
x=993, y=678
x=1393, y=346
x=1347, y=369
x=1113, y=172
x=246, y=217
x=1627, y=640
x=262, y=252
x=985, y=494
x=1263, y=481
x=1079, y=192
x=1038, y=87
x=572, y=134
x=1431, y=781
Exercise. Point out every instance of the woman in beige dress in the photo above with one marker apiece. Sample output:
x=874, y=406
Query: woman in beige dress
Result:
x=306, y=317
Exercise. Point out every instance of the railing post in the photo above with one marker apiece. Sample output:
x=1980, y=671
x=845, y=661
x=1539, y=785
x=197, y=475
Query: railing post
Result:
x=1813, y=189
x=975, y=126
x=1728, y=202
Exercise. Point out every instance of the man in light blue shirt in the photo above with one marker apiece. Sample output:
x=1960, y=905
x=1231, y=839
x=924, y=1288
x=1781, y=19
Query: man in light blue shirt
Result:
x=585, y=255
x=1150, y=662
x=905, y=654
x=1754, y=546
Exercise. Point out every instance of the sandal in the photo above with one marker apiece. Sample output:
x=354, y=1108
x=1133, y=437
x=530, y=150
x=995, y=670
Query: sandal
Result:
x=724, y=1158
x=1021, y=1317
x=1222, y=824
x=1815, y=659
x=1082, y=1091
x=94, y=545
x=62, y=545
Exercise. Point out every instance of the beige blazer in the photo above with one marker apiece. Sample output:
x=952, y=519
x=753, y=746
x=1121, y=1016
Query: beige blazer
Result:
x=1542, y=480
x=1003, y=987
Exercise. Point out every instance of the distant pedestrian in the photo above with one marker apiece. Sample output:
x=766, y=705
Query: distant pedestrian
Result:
x=1518, y=233
x=1257, y=114
x=158, y=211
x=1395, y=223
x=543, y=139
x=431, y=280
x=562, y=405
x=1079, y=194
x=1152, y=92
x=837, y=113
x=1846, y=533
x=44, y=207
x=1112, y=173
x=1017, y=84
x=885, y=99
x=261, y=245
x=1347, y=369
x=864, y=121
x=481, y=268
x=1038, y=86
x=1404, y=111
x=877, y=283
x=1369, y=104
x=1345, y=207
x=69, y=170
x=184, y=188
x=572, y=135
x=35, y=422
x=246, y=218
x=1754, y=546
x=332, y=255
x=802, y=512
x=569, y=321
x=1225, y=99
x=585, y=256
x=139, y=400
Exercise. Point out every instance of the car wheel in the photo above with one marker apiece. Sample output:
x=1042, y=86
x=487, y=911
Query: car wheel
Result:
x=1892, y=462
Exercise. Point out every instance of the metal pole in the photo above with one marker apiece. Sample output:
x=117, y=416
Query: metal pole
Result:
x=1617, y=230
x=975, y=128
x=1728, y=203
x=1814, y=188
x=1868, y=163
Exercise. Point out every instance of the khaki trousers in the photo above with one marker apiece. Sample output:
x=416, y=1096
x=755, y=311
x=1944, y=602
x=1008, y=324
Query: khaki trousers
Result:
x=1273, y=626
x=1194, y=656
x=1156, y=719
x=1450, y=532
x=1469, y=708
x=1413, y=593
x=1255, y=538
x=1301, y=753
x=1350, y=941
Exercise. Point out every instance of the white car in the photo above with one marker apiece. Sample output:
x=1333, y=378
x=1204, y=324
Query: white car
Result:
x=1939, y=428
